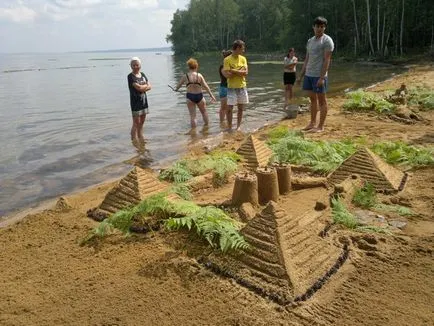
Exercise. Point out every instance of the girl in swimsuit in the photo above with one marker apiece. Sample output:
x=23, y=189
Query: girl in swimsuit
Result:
x=194, y=82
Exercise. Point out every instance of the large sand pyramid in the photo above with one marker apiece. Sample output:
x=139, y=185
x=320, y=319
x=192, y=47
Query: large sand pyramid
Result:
x=286, y=255
x=371, y=168
x=134, y=187
x=255, y=152
x=263, y=265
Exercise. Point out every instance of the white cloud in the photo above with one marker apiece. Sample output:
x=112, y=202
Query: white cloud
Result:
x=167, y=4
x=18, y=14
x=138, y=4
x=84, y=24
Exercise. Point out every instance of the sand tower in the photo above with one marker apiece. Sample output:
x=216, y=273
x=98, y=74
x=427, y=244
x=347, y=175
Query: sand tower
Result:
x=255, y=153
x=371, y=168
x=134, y=187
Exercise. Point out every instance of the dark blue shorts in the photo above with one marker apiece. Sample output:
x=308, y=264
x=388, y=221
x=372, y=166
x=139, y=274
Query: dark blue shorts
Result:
x=195, y=98
x=309, y=84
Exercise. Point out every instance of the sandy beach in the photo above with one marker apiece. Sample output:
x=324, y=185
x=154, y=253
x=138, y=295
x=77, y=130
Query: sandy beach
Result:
x=48, y=278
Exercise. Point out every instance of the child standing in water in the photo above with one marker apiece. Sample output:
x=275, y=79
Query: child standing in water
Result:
x=223, y=90
x=194, y=82
x=138, y=85
x=289, y=75
x=235, y=69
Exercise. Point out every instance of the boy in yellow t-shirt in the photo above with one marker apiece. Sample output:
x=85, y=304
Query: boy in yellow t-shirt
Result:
x=235, y=70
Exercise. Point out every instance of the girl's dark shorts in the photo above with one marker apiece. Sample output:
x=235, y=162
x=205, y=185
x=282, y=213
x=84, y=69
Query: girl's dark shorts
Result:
x=288, y=78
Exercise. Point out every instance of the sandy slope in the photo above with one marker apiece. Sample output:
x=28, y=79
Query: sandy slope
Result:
x=154, y=279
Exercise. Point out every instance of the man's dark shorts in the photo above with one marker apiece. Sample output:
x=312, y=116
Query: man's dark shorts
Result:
x=309, y=84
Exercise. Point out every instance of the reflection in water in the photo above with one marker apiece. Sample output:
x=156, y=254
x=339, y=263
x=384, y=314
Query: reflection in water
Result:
x=144, y=158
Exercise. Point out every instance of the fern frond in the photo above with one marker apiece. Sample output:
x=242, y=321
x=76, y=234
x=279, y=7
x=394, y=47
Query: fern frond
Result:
x=341, y=215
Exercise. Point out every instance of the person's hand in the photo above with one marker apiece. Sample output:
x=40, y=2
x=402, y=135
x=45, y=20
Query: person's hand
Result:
x=298, y=81
x=320, y=82
x=213, y=99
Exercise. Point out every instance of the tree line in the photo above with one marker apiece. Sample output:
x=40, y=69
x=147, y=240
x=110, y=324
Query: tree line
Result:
x=378, y=28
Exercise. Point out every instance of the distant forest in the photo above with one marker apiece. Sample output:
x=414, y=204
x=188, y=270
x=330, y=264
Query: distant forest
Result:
x=378, y=28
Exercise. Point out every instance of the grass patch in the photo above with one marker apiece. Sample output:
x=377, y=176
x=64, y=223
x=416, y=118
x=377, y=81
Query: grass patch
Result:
x=276, y=134
x=341, y=215
x=365, y=197
x=367, y=102
x=322, y=156
x=177, y=173
x=373, y=229
x=400, y=153
x=400, y=210
x=183, y=190
x=222, y=170
x=210, y=223
x=222, y=164
x=213, y=225
x=422, y=97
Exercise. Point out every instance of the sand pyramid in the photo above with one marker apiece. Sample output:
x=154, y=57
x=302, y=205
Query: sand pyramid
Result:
x=286, y=258
x=263, y=265
x=255, y=152
x=133, y=188
x=370, y=168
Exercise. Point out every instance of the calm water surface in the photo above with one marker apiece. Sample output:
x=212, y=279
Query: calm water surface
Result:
x=65, y=118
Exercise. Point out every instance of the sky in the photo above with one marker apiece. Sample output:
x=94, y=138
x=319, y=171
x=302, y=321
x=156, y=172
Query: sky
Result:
x=84, y=25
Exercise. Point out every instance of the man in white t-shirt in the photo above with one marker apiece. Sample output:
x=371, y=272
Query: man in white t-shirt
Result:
x=318, y=55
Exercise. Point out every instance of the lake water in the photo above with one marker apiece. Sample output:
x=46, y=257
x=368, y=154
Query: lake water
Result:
x=65, y=118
